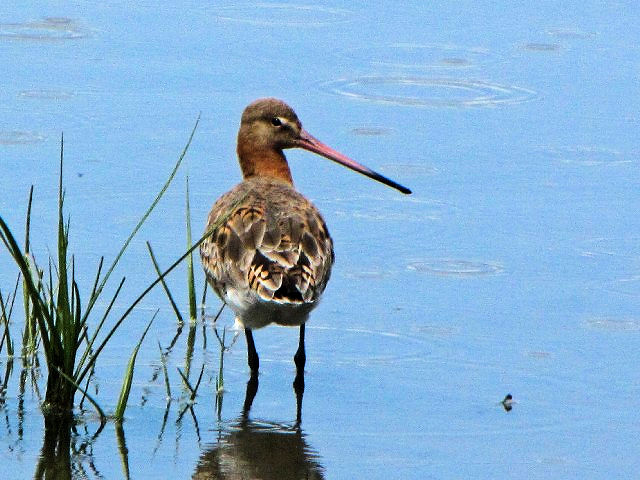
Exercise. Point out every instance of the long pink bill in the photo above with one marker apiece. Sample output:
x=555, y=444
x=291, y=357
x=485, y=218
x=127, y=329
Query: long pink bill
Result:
x=314, y=145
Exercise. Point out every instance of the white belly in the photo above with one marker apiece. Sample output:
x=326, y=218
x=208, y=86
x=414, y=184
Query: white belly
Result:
x=253, y=312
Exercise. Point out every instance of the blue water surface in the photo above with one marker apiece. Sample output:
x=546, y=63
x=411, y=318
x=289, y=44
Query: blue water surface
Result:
x=514, y=268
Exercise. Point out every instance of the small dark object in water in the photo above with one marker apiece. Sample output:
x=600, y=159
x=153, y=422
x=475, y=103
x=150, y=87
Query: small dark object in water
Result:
x=507, y=403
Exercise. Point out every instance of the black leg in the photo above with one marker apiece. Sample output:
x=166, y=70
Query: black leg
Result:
x=300, y=357
x=254, y=361
x=298, y=383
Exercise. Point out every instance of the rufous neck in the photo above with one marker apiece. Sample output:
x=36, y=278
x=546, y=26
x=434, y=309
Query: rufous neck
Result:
x=263, y=161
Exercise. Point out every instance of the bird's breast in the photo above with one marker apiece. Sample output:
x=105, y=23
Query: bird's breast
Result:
x=269, y=251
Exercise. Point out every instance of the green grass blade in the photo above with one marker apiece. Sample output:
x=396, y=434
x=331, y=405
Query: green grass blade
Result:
x=220, y=377
x=104, y=342
x=27, y=229
x=88, y=381
x=98, y=272
x=77, y=312
x=94, y=289
x=191, y=340
x=49, y=290
x=204, y=294
x=175, y=308
x=153, y=284
x=81, y=372
x=190, y=280
x=6, y=336
x=27, y=245
x=6, y=314
x=63, y=241
x=78, y=325
x=128, y=377
x=215, y=319
x=40, y=309
x=5, y=382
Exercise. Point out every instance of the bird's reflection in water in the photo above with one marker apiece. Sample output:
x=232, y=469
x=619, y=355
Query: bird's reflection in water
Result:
x=260, y=450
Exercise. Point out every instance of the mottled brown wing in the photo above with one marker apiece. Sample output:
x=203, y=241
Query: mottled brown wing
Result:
x=274, y=243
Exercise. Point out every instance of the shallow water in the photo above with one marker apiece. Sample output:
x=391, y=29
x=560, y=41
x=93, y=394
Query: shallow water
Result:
x=513, y=268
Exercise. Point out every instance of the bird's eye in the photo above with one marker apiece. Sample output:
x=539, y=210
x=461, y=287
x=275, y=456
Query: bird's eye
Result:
x=276, y=122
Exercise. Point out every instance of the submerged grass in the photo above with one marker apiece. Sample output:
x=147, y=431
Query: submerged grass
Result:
x=220, y=376
x=219, y=385
x=163, y=361
x=6, y=309
x=56, y=315
x=30, y=332
x=56, y=307
x=128, y=378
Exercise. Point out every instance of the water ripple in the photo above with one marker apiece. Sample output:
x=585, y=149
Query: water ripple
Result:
x=410, y=56
x=627, y=247
x=370, y=274
x=614, y=324
x=42, y=94
x=392, y=347
x=586, y=156
x=49, y=29
x=283, y=14
x=629, y=286
x=418, y=91
x=16, y=137
x=382, y=209
x=372, y=131
x=449, y=267
x=571, y=33
x=542, y=47
x=410, y=169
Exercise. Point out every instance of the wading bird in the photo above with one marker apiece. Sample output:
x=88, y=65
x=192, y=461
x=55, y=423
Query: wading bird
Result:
x=269, y=253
